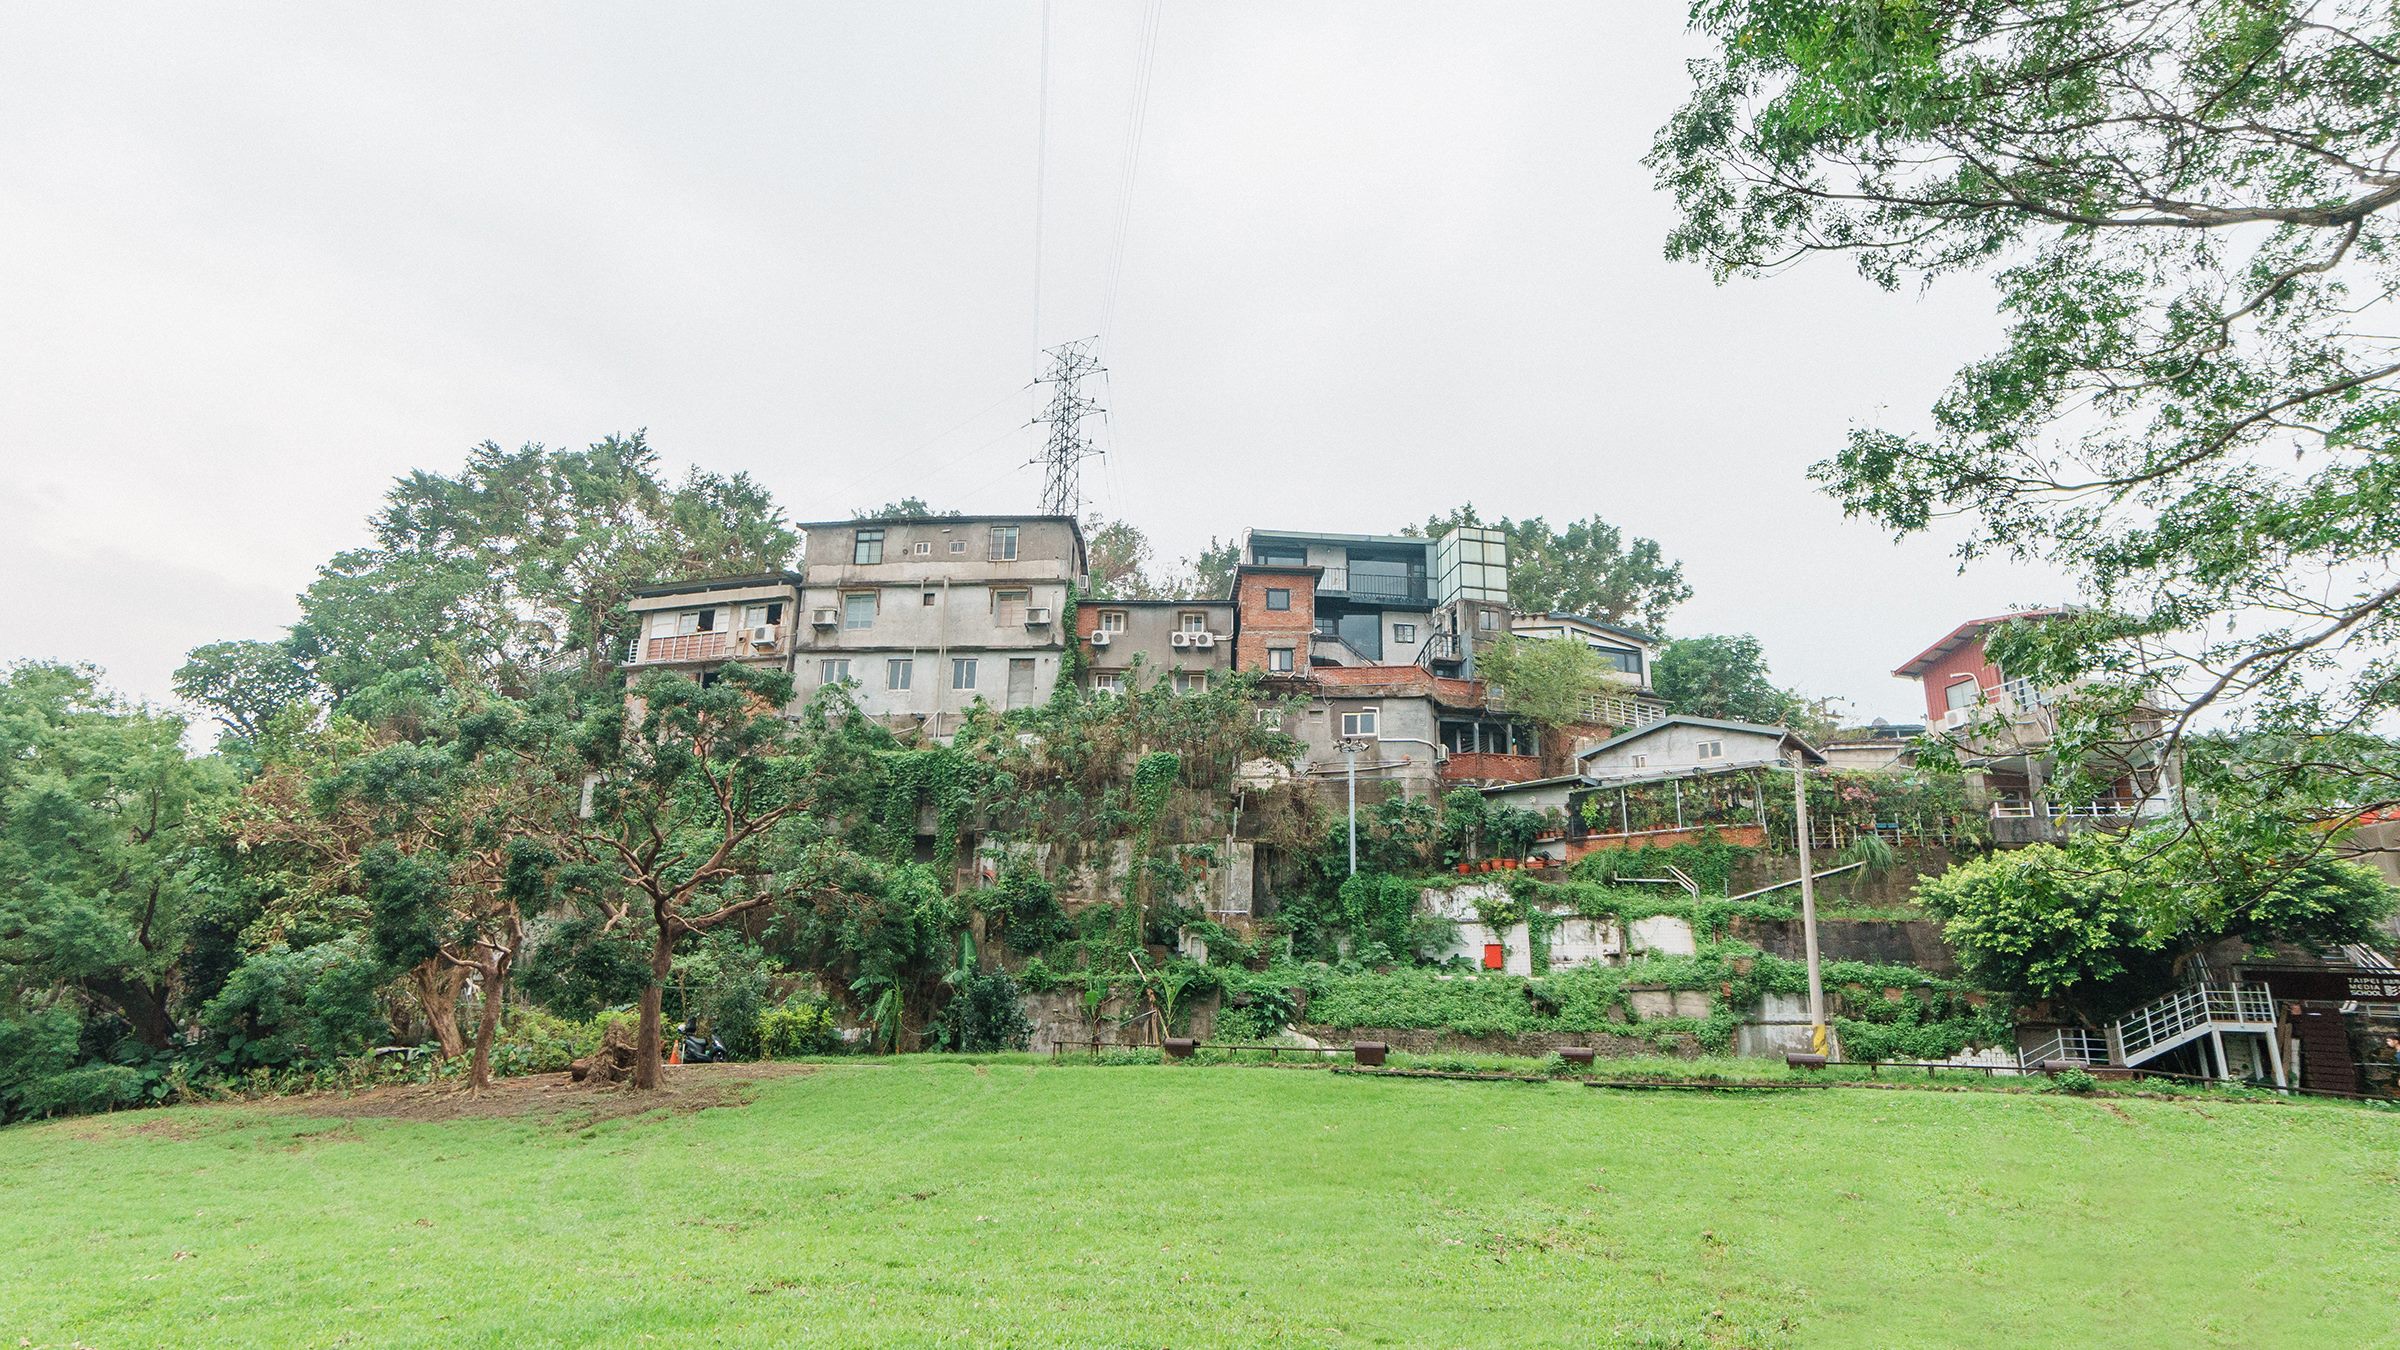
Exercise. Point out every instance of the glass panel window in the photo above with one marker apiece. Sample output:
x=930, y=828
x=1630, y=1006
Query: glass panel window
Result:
x=958, y=546
x=858, y=609
x=1112, y=621
x=1641, y=761
x=899, y=673
x=962, y=672
x=1961, y=693
x=922, y=548
x=1004, y=543
x=1404, y=632
x=1108, y=682
x=1269, y=555
x=1278, y=598
x=1279, y=659
x=1008, y=607
x=1191, y=682
x=1709, y=750
x=867, y=547
x=1191, y=622
x=1361, y=722
x=680, y=624
x=1487, y=619
x=833, y=670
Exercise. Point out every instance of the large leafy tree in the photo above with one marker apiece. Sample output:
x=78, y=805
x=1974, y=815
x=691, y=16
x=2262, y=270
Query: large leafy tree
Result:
x=1720, y=675
x=1553, y=683
x=105, y=855
x=244, y=684
x=1585, y=567
x=525, y=559
x=2191, y=213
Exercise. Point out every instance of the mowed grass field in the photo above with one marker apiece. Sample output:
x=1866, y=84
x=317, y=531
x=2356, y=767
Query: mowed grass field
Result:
x=933, y=1202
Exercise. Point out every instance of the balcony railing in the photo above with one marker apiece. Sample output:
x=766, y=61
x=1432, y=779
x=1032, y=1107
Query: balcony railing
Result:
x=2185, y=1011
x=1347, y=582
x=722, y=644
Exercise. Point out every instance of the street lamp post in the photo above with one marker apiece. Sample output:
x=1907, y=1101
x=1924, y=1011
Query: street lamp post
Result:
x=1808, y=903
x=1350, y=753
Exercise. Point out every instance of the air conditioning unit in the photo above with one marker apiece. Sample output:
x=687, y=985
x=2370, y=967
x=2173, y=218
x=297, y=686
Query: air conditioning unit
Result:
x=826, y=618
x=1100, y=638
x=1957, y=717
x=764, y=639
x=1204, y=640
x=1179, y=639
x=1037, y=617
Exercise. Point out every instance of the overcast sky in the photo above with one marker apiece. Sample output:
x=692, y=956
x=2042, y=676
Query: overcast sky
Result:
x=1376, y=260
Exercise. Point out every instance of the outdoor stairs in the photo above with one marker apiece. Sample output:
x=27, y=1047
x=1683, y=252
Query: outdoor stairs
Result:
x=2161, y=1025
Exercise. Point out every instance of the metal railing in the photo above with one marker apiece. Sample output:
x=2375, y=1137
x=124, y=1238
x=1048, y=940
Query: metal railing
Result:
x=2186, y=1010
x=2071, y=1045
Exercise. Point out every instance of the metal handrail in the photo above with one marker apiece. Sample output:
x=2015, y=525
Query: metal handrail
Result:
x=2186, y=1010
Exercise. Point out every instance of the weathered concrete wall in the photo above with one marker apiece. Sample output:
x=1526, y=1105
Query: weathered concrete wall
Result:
x=1908, y=942
x=1419, y=1040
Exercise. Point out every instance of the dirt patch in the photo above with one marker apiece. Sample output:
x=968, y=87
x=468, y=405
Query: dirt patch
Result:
x=550, y=1097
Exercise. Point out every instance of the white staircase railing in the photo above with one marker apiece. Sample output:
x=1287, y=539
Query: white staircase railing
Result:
x=2164, y=1023
x=2072, y=1045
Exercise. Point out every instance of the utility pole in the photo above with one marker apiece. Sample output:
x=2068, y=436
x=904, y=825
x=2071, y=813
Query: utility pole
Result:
x=1067, y=446
x=1350, y=753
x=1808, y=903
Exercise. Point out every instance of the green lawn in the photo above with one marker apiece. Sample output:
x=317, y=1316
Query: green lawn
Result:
x=938, y=1202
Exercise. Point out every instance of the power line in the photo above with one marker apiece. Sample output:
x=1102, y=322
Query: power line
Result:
x=1041, y=182
x=1137, y=115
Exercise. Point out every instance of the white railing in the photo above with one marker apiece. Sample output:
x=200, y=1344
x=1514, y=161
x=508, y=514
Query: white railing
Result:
x=2073, y=1045
x=1621, y=711
x=2187, y=1010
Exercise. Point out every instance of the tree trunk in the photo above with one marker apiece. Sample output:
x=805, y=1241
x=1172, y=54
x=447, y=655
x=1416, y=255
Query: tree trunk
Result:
x=143, y=1006
x=437, y=984
x=648, y=1044
x=487, y=1026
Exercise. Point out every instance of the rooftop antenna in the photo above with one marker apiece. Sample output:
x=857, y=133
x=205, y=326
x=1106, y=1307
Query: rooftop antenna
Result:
x=1068, y=447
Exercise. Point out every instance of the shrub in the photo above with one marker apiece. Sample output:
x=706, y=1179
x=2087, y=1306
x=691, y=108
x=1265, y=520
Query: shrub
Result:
x=800, y=1027
x=986, y=1012
x=2074, y=1080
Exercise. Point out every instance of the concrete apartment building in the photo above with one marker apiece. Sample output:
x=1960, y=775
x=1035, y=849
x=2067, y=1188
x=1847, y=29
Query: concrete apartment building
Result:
x=1186, y=643
x=696, y=626
x=925, y=616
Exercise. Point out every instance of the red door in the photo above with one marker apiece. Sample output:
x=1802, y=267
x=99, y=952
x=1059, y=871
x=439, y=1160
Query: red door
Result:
x=1495, y=956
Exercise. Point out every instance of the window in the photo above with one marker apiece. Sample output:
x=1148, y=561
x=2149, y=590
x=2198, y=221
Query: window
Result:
x=1112, y=621
x=930, y=596
x=1004, y=543
x=899, y=673
x=767, y=615
x=1108, y=682
x=1191, y=682
x=962, y=672
x=833, y=670
x=1620, y=659
x=1271, y=555
x=1709, y=750
x=958, y=546
x=1279, y=659
x=867, y=546
x=1488, y=620
x=1279, y=597
x=1641, y=761
x=1404, y=632
x=708, y=621
x=1008, y=607
x=1190, y=621
x=858, y=609
x=1328, y=626
x=1961, y=693
x=923, y=548
x=1361, y=723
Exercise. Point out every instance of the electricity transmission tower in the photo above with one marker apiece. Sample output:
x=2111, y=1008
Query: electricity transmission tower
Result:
x=1068, y=447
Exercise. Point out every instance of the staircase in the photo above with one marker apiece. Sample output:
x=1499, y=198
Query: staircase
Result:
x=2188, y=1014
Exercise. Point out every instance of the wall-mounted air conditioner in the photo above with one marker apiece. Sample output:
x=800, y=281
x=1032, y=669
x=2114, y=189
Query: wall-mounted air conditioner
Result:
x=1037, y=616
x=1179, y=639
x=764, y=639
x=1204, y=639
x=1101, y=638
x=826, y=618
x=1957, y=717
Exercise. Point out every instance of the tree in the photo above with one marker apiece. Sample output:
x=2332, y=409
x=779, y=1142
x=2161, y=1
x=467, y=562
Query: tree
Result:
x=2189, y=212
x=525, y=560
x=244, y=684
x=1720, y=675
x=1209, y=574
x=106, y=840
x=1120, y=557
x=700, y=802
x=1585, y=568
x=1551, y=682
x=907, y=508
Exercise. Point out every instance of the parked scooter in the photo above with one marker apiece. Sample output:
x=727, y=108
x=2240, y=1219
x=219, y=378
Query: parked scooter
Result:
x=693, y=1048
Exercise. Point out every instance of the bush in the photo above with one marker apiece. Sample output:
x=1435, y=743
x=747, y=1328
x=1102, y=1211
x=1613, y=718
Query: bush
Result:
x=2074, y=1080
x=798, y=1028
x=986, y=1012
x=727, y=983
x=287, y=1009
x=533, y=1041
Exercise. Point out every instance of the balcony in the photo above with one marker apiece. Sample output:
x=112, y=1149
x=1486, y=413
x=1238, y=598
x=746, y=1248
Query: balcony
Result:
x=1476, y=767
x=721, y=645
x=1371, y=585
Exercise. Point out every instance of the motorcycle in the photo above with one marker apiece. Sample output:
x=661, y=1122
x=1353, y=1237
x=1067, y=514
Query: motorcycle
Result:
x=693, y=1048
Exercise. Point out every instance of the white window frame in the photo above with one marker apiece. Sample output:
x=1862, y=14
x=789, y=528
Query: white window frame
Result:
x=962, y=672
x=1003, y=544
x=1191, y=682
x=874, y=601
x=1191, y=621
x=1108, y=682
x=923, y=548
x=833, y=669
x=1112, y=621
x=899, y=672
x=1362, y=724
x=958, y=546
x=1708, y=750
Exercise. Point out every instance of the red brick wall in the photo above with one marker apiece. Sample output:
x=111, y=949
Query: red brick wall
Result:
x=1967, y=660
x=1491, y=768
x=1746, y=836
x=1255, y=624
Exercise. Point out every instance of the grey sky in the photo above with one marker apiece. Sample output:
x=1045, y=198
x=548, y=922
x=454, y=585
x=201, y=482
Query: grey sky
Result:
x=1380, y=259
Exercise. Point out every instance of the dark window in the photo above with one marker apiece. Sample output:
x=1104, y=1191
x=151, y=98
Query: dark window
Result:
x=1278, y=598
x=774, y=613
x=867, y=547
x=1272, y=555
x=708, y=621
